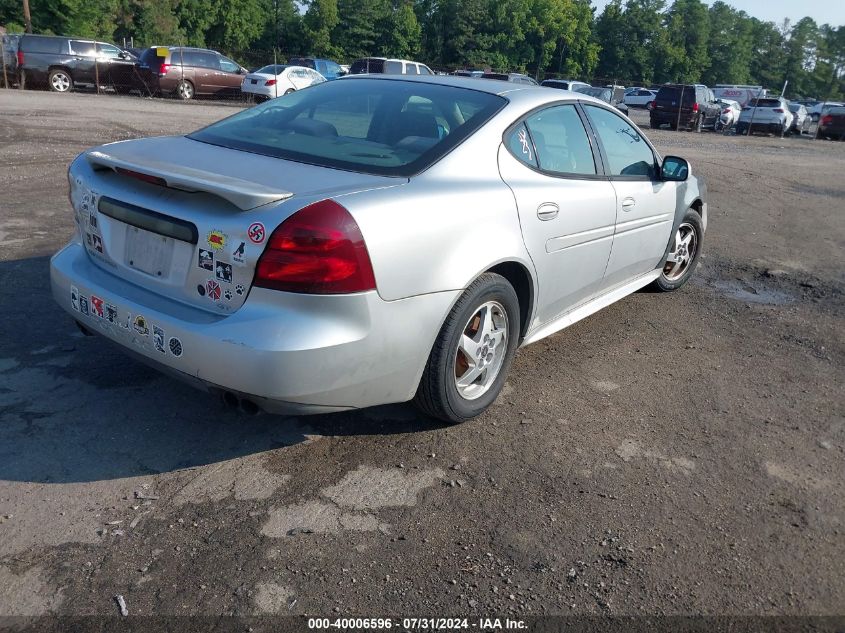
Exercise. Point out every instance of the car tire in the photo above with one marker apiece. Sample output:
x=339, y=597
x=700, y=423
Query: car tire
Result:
x=59, y=80
x=683, y=253
x=289, y=90
x=185, y=90
x=484, y=323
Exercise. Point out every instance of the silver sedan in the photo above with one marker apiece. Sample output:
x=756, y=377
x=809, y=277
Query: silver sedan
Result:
x=373, y=240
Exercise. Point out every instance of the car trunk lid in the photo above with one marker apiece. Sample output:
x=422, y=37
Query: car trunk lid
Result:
x=189, y=220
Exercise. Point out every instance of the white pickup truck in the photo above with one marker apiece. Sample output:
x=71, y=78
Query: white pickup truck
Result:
x=770, y=114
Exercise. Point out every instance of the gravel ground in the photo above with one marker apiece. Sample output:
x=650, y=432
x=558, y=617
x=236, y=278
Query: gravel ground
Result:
x=672, y=454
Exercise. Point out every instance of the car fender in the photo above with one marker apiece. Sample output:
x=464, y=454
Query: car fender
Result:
x=692, y=191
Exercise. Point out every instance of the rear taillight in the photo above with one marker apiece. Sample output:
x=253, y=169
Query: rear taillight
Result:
x=20, y=58
x=270, y=82
x=162, y=70
x=650, y=105
x=726, y=111
x=778, y=110
x=695, y=107
x=318, y=250
x=826, y=120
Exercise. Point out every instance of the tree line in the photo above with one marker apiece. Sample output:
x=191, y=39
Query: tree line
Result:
x=635, y=41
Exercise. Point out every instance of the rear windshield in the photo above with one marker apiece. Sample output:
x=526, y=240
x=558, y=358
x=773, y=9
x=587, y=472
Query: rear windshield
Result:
x=272, y=69
x=394, y=128
x=673, y=93
x=838, y=110
x=765, y=103
x=36, y=44
x=367, y=66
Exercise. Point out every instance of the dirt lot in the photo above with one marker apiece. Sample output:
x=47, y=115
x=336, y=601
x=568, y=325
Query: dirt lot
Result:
x=672, y=454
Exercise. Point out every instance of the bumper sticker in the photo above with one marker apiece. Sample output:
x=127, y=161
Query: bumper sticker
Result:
x=239, y=289
x=216, y=240
x=158, y=338
x=96, y=307
x=74, y=298
x=223, y=272
x=205, y=259
x=140, y=325
x=238, y=254
x=256, y=232
x=83, y=305
x=111, y=313
x=175, y=346
x=212, y=289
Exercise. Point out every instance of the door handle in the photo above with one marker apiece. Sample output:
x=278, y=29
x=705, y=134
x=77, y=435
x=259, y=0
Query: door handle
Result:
x=628, y=204
x=547, y=211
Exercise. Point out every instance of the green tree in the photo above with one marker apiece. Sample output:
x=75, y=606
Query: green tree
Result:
x=401, y=32
x=320, y=20
x=730, y=47
x=688, y=30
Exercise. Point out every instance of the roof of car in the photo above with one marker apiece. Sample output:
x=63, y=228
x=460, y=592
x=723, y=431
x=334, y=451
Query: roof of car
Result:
x=492, y=86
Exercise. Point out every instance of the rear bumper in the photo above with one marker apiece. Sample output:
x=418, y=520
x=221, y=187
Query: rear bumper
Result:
x=265, y=91
x=284, y=351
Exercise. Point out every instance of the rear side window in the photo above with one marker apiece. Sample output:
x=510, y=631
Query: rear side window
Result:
x=627, y=152
x=561, y=141
x=411, y=69
x=369, y=126
x=35, y=44
x=424, y=70
x=393, y=68
x=83, y=49
x=673, y=93
x=519, y=144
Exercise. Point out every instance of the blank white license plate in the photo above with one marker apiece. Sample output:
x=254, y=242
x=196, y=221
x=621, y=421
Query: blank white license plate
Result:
x=149, y=252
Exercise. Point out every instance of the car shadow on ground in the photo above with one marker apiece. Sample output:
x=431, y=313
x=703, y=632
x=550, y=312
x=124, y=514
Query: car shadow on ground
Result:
x=76, y=408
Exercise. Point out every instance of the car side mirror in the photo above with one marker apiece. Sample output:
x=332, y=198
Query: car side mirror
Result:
x=674, y=169
x=123, y=55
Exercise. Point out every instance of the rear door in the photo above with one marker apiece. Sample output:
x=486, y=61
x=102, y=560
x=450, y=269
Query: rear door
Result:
x=84, y=62
x=567, y=209
x=645, y=206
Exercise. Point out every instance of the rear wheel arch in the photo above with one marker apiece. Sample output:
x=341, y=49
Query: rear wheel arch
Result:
x=520, y=278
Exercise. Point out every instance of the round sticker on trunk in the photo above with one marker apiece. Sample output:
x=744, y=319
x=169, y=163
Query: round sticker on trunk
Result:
x=256, y=232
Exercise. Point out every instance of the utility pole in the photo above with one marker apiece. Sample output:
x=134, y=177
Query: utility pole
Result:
x=27, y=18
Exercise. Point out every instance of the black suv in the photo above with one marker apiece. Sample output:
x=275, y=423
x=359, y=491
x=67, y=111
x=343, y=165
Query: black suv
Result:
x=64, y=62
x=690, y=106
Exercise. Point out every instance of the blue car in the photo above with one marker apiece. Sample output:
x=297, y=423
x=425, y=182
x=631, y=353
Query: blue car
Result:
x=326, y=67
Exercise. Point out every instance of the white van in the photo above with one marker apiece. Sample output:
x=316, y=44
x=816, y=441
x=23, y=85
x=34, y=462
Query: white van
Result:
x=742, y=94
x=385, y=66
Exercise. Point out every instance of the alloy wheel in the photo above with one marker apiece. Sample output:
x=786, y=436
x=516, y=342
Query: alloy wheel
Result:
x=682, y=254
x=481, y=350
x=60, y=82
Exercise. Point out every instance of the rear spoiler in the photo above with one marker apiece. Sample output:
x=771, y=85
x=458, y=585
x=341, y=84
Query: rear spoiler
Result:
x=243, y=194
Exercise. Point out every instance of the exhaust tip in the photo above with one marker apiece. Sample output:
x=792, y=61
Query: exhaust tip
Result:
x=229, y=400
x=84, y=329
x=249, y=407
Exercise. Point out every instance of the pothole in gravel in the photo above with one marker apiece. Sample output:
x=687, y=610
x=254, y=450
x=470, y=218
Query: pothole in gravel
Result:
x=742, y=291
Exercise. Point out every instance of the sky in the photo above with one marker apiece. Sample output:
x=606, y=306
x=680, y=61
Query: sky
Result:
x=822, y=11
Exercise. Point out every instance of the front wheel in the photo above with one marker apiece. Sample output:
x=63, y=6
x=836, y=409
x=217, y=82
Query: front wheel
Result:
x=683, y=253
x=473, y=352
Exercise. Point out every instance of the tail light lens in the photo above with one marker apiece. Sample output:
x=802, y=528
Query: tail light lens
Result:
x=779, y=110
x=162, y=70
x=270, y=82
x=20, y=58
x=827, y=120
x=650, y=105
x=318, y=250
x=726, y=111
x=695, y=107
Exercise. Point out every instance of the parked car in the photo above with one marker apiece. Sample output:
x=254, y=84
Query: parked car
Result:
x=188, y=72
x=816, y=110
x=741, y=93
x=518, y=78
x=382, y=65
x=468, y=73
x=800, y=117
x=632, y=89
x=608, y=95
x=326, y=67
x=729, y=116
x=770, y=115
x=639, y=98
x=690, y=106
x=563, y=84
x=832, y=123
x=279, y=79
x=311, y=257
x=63, y=63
